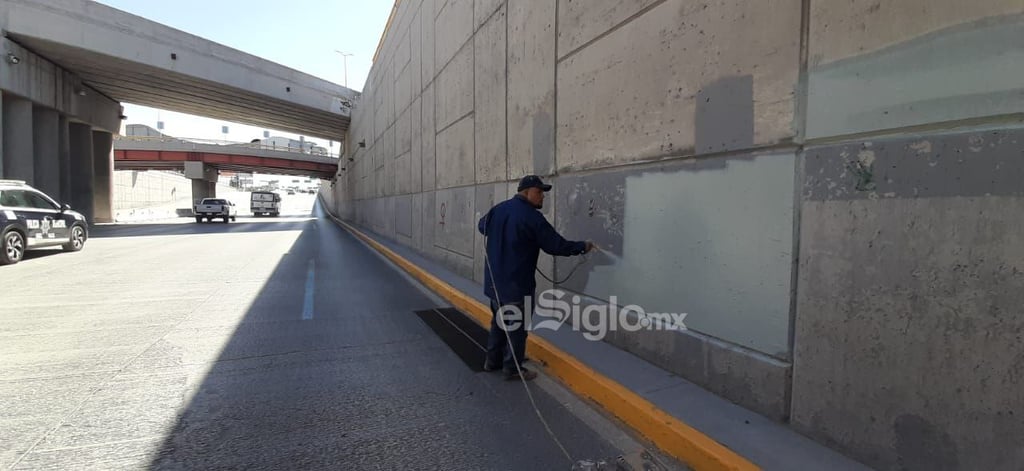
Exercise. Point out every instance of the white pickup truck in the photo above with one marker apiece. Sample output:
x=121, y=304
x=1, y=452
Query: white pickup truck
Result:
x=215, y=208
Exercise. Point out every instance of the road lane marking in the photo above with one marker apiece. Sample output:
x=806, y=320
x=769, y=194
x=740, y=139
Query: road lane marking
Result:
x=307, y=305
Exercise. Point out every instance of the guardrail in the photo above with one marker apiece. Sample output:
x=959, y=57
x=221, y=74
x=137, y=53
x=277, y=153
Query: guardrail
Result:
x=319, y=152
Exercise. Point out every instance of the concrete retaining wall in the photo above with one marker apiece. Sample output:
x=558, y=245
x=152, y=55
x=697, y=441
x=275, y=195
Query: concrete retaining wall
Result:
x=827, y=189
x=150, y=195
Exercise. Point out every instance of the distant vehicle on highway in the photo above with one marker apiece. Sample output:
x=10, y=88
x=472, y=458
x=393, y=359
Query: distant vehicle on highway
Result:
x=265, y=203
x=291, y=192
x=215, y=208
x=29, y=219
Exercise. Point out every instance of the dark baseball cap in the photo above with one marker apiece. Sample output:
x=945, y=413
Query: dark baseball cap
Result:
x=533, y=181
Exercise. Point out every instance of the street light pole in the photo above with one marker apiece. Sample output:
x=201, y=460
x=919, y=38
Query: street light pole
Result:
x=344, y=59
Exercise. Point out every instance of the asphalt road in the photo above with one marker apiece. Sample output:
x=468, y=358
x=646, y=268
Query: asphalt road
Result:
x=267, y=343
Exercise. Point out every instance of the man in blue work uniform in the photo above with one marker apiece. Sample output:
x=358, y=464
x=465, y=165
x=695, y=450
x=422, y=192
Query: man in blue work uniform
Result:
x=515, y=232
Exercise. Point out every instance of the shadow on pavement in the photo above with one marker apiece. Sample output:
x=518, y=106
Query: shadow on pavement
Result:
x=33, y=254
x=329, y=368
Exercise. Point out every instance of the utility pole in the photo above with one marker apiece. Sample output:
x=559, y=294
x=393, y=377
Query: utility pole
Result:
x=344, y=59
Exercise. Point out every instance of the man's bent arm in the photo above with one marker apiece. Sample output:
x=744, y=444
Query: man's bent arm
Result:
x=552, y=242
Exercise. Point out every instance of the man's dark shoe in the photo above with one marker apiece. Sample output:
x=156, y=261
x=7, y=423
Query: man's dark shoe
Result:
x=488, y=368
x=523, y=373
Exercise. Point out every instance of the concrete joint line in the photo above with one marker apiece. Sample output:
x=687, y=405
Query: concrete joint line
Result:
x=601, y=36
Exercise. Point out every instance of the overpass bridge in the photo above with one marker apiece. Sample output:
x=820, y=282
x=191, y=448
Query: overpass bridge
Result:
x=65, y=66
x=202, y=161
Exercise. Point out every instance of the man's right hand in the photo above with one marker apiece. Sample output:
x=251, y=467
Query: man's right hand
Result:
x=590, y=247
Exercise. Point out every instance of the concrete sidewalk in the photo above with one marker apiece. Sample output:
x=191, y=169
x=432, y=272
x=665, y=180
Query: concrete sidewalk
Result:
x=767, y=444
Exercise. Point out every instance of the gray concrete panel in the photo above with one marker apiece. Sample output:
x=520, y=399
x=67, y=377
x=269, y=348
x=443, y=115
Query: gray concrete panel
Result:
x=455, y=164
x=426, y=46
x=455, y=89
x=390, y=176
x=416, y=151
x=387, y=146
x=631, y=95
x=591, y=207
x=403, y=132
x=403, y=21
x=453, y=27
x=18, y=161
x=429, y=140
x=582, y=22
x=401, y=53
x=456, y=262
x=46, y=146
x=430, y=221
x=417, y=220
x=403, y=218
x=81, y=165
x=403, y=89
x=725, y=115
x=907, y=335
x=531, y=86
x=379, y=120
x=490, y=98
x=974, y=163
x=456, y=225
x=416, y=59
x=712, y=238
x=379, y=182
x=840, y=30
x=758, y=382
x=755, y=381
x=965, y=70
x=482, y=10
x=403, y=174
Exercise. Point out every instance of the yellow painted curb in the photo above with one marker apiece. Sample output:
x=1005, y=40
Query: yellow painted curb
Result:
x=670, y=435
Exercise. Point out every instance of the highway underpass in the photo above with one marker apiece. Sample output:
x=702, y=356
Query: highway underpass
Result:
x=263, y=344
x=66, y=66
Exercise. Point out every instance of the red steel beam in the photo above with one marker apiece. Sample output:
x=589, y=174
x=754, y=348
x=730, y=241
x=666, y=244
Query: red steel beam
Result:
x=270, y=163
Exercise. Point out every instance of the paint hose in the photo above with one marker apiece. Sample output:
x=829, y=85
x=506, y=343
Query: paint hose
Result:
x=515, y=359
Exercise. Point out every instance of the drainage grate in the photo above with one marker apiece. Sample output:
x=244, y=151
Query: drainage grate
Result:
x=464, y=336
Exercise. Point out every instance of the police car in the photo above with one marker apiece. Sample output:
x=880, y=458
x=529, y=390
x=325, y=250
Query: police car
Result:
x=29, y=219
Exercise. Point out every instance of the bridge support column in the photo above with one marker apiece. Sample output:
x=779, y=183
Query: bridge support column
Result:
x=204, y=180
x=103, y=176
x=17, y=140
x=203, y=189
x=80, y=150
x=46, y=143
x=64, y=159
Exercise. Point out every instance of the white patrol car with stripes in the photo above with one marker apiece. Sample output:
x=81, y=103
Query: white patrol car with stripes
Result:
x=29, y=219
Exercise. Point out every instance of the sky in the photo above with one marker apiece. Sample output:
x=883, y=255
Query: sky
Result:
x=301, y=34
